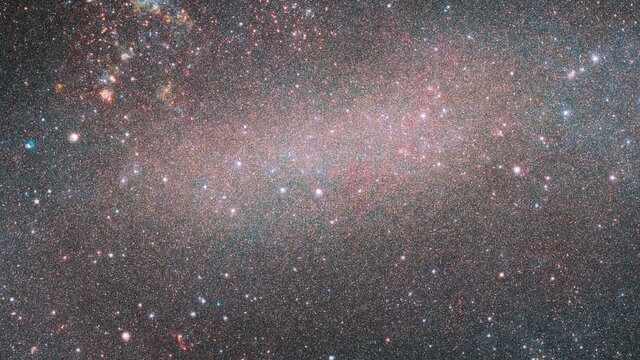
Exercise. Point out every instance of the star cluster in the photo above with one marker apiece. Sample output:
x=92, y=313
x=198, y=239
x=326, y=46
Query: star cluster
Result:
x=319, y=180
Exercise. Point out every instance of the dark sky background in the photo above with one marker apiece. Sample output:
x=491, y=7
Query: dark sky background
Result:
x=319, y=180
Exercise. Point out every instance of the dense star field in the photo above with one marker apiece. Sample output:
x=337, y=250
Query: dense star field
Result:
x=319, y=180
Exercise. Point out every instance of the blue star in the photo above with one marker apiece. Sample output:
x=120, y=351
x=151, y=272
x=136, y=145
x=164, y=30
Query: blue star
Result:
x=30, y=144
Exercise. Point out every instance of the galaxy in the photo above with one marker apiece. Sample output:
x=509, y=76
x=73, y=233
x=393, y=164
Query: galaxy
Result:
x=263, y=179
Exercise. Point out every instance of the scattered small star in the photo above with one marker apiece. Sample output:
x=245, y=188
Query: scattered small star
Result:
x=126, y=336
x=30, y=144
x=74, y=137
x=517, y=170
